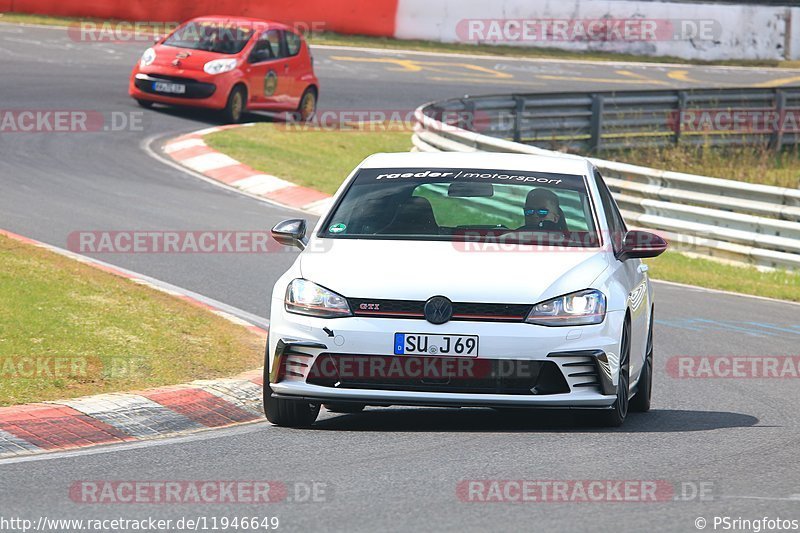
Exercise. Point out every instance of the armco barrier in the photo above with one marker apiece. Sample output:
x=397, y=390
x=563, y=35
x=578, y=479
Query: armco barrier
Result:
x=739, y=222
x=628, y=119
x=366, y=17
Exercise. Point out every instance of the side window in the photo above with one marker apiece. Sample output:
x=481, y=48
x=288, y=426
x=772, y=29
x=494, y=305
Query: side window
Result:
x=293, y=43
x=267, y=47
x=616, y=224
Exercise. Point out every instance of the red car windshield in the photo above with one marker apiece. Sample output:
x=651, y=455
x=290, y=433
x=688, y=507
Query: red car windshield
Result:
x=211, y=37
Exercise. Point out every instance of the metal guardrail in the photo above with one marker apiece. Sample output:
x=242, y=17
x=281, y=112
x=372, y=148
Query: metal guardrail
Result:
x=735, y=221
x=589, y=122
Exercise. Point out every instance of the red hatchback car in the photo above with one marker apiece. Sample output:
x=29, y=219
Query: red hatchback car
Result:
x=229, y=64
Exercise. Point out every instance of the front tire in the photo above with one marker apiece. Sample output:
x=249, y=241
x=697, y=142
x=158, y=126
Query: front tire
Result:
x=644, y=391
x=286, y=413
x=235, y=108
x=615, y=416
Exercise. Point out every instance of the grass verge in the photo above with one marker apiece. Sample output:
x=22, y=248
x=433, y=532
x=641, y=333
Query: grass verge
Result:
x=677, y=267
x=329, y=38
x=322, y=159
x=753, y=164
x=68, y=329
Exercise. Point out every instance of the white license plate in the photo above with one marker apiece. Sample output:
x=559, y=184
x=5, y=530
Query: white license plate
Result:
x=174, y=88
x=442, y=345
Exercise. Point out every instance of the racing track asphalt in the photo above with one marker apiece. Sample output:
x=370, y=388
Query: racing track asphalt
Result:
x=393, y=469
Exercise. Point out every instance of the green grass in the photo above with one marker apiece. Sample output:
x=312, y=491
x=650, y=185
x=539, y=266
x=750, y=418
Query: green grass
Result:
x=91, y=332
x=319, y=159
x=329, y=38
x=753, y=164
x=677, y=267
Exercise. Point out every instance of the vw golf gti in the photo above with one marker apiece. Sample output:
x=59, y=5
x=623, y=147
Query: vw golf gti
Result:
x=441, y=279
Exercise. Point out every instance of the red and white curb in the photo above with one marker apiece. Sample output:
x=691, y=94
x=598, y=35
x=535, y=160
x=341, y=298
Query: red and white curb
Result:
x=130, y=416
x=192, y=152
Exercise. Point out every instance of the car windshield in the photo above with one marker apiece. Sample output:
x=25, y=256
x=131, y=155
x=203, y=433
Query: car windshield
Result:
x=465, y=204
x=211, y=37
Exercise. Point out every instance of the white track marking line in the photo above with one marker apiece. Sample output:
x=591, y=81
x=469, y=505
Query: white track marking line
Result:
x=212, y=161
x=720, y=291
x=182, y=145
x=199, y=435
x=262, y=184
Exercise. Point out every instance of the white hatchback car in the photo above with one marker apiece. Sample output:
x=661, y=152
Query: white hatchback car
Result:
x=451, y=279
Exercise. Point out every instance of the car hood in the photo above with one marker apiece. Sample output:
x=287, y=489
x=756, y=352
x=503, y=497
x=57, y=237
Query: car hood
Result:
x=189, y=59
x=417, y=270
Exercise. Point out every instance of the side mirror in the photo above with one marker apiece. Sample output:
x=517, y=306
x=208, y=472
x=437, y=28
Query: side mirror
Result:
x=640, y=245
x=291, y=232
x=259, y=55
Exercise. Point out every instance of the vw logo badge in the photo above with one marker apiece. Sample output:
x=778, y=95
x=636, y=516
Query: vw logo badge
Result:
x=438, y=310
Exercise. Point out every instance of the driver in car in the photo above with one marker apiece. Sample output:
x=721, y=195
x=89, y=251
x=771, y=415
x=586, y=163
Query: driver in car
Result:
x=542, y=211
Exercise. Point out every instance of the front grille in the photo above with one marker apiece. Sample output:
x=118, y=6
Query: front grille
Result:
x=175, y=79
x=485, y=312
x=194, y=89
x=437, y=374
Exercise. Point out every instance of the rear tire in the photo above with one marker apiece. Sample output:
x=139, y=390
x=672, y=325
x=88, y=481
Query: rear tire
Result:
x=147, y=104
x=344, y=407
x=235, y=108
x=308, y=105
x=286, y=413
x=644, y=391
x=615, y=416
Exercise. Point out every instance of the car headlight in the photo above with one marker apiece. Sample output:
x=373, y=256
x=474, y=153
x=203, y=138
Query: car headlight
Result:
x=148, y=57
x=306, y=298
x=218, y=66
x=575, y=309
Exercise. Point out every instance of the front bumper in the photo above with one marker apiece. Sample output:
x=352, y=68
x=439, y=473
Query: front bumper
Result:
x=194, y=89
x=316, y=394
x=586, y=356
x=202, y=90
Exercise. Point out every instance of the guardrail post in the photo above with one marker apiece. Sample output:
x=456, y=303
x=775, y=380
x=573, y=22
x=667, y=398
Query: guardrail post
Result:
x=467, y=122
x=519, y=108
x=776, y=141
x=678, y=118
x=596, y=124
